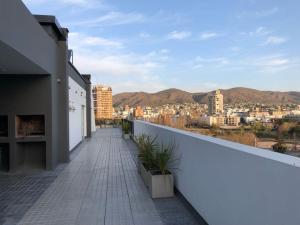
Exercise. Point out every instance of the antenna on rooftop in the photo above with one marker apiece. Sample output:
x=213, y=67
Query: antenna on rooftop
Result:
x=70, y=55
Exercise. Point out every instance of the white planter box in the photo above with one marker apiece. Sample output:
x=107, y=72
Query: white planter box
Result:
x=145, y=174
x=161, y=186
x=126, y=136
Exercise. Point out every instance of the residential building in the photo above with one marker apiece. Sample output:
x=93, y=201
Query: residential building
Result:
x=171, y=120
x=233, y=121
x=45, y=103
x=294, y=117
x=138, y=112
x=277, y=114
x=219, y=121
x=127, y=108
x=102, y=96
x=215, y=103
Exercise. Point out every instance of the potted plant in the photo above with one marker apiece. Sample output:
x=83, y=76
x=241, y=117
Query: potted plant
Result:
x=154, y=163
x=146, y=146
x=162, y=180
x=139, y=140
x=126, y=130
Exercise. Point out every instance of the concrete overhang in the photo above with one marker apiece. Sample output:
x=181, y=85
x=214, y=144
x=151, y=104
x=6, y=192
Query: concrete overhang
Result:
x=12, y=62
x=25, y=45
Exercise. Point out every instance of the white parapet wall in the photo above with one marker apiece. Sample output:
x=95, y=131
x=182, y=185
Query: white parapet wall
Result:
x=232, y=184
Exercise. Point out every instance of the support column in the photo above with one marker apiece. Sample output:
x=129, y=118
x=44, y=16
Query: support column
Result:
x=87, y=78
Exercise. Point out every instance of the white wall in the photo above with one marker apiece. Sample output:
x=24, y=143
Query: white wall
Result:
x=230, y=183
x=77, y=99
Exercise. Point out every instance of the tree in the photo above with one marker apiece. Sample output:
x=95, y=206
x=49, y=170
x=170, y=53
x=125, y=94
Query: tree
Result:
x=279, y=147
x=294, y=132
x=242, y=130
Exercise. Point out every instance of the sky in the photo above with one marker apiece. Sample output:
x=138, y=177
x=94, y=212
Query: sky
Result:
x=193, y=45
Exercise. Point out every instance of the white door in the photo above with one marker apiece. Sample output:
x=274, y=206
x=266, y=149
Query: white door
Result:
x=82, y=121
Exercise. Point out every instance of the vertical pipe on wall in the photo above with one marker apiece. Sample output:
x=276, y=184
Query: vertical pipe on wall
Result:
x=87, y=78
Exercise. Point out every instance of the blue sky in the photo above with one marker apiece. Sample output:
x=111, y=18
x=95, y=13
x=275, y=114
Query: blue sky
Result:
x=196, y=45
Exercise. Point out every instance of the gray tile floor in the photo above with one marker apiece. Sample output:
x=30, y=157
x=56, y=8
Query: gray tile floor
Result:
x=18, y=192
x=99, y=186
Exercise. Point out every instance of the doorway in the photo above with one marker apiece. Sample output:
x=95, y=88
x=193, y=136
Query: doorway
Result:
x=82, y=121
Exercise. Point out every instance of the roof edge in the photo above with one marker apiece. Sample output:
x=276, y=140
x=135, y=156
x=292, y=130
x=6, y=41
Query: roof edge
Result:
x=52, y=21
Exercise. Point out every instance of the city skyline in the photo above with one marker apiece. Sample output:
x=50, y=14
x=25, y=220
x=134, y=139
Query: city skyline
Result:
x=201, y=46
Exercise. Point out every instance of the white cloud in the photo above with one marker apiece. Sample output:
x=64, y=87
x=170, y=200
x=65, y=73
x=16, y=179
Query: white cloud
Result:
x=111, y=19
x=144, y=35
x=113, y=65
x=274, y=40
x=200, y=62
x=164, y=51
x=124, y=72
x=77, y=40
x=259, y=14
x=220, y=60
x=208, y=35
x=235, y=49
x=98, y=55
x=198, y=66
x=76, y=2
x=277, y=62
x=83, y=4
x=258, y=32
x=267, y=12
x=161, y=55
x=179, y=35
x=271, y=60
x=267, y=64
x=271, y=63
x=31, y=2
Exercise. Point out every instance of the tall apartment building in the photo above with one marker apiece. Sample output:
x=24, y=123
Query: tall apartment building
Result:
x=215, y=103
x=102, y=102
x=138, y=112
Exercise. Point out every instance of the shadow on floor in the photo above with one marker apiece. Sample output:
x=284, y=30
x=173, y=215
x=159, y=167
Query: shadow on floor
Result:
x=173, y=211
x=19, y=191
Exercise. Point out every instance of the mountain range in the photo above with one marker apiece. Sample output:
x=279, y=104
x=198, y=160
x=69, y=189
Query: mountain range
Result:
x=233, y=95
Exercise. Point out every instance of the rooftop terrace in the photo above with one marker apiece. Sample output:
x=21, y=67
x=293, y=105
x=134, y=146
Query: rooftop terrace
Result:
x=100, y=185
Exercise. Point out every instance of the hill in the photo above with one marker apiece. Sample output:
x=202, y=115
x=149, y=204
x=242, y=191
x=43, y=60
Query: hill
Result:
x=233, y=95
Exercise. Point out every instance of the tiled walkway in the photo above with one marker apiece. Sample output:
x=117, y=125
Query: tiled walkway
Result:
x=19, y=192
x=99, y=186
